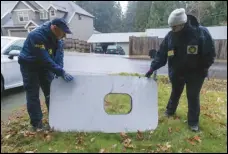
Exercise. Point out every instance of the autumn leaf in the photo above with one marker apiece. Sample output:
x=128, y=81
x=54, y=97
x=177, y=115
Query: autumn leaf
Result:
x=176, y=117
x=177, y=129
x=170, y=129
x=123, y=135
x=102, y=151
x=139, y=135
x=208, y=115
x=29, y=134
x=80, y=140
x=31, y=151
x=79, y=148
x=187, y=150
x=48, y=138
x=92, y=139
x=197, y=138
x=8, y=136
x=114, y=146
x=127, y=143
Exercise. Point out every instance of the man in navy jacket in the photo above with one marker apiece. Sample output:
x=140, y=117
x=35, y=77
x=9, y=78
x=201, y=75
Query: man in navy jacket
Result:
x=189, y=50
x=40, y=60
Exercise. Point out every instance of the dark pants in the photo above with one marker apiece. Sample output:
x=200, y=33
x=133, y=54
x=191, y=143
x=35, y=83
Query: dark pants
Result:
x=194, y=84
x=33, y=79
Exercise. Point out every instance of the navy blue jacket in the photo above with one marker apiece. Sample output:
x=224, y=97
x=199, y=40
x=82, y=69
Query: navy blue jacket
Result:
x=42, y=50
x=191, y=51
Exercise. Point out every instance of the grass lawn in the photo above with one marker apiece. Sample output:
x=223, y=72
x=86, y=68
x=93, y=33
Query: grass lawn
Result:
x=171, y=135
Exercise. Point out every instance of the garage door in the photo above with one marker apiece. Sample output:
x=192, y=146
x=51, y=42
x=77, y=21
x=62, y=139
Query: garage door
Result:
x=19, y=33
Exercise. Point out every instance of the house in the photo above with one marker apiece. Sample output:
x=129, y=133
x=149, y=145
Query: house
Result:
x=121, y=39
x=18, y=18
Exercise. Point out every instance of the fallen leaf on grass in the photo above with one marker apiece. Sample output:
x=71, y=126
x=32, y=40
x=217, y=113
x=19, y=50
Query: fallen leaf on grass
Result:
x=7, y=136
x=187, y=150
x=79, y=148
x=29, y=134
x=176, y=117
x=114, y=146
x=170, y=129
x=139, y=135
x=123, y=135
x=80, y=140
x=177, y=129
x=208, y=115
x=48, y=138
x=92, y=139
x=193, y=139
x=31, y=151
x=102, y=151
x=197, y=138
x=163, y=148
x=50, y=149
x=127, y=143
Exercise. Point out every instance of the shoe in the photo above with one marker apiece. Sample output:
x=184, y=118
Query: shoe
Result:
x=167, y=114
x=47, y=128
x=36, y=128
x=194, y=128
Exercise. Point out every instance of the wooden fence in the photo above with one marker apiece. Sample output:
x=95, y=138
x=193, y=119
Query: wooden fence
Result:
x=76, y=45
x=142, y=45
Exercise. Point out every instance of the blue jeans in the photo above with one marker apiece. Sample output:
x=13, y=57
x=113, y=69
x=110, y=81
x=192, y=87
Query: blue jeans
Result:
x=33, y=79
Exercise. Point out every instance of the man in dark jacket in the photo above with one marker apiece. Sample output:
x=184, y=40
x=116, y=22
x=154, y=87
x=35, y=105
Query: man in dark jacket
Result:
x=40, y=60
x=189, y=49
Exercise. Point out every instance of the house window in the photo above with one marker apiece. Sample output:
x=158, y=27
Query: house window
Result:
x=79, y=17
x=52, y=13
x=43, y=14
x=23, y=16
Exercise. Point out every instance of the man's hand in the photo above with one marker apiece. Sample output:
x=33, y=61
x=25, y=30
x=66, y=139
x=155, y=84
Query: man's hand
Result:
x=67, y=77
x=149, y=73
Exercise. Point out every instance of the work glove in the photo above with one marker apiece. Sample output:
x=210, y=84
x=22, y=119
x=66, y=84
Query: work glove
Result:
x=67, y=77
x=149, y=73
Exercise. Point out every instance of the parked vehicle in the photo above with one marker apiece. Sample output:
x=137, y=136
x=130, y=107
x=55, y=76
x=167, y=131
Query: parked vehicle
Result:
x=10, y=69
x=99, y=49
x=115, y=49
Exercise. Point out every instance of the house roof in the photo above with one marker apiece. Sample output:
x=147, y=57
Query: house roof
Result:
x=217, y=32
x=8, y=5
x=66, y=6
x=113, y=37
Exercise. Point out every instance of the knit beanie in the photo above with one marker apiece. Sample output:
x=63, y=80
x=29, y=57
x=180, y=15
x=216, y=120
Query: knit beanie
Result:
x=177, y=17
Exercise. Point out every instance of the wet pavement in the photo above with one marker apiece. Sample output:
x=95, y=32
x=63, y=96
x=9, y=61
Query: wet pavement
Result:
x=95, y=64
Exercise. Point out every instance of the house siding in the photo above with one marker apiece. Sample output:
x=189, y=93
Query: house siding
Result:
x=32, y=16
x=81, y=29
x=58, y=14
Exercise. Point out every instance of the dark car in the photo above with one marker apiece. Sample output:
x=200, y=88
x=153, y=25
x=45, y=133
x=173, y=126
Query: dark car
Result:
x=115, y=49
x=98, y=49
